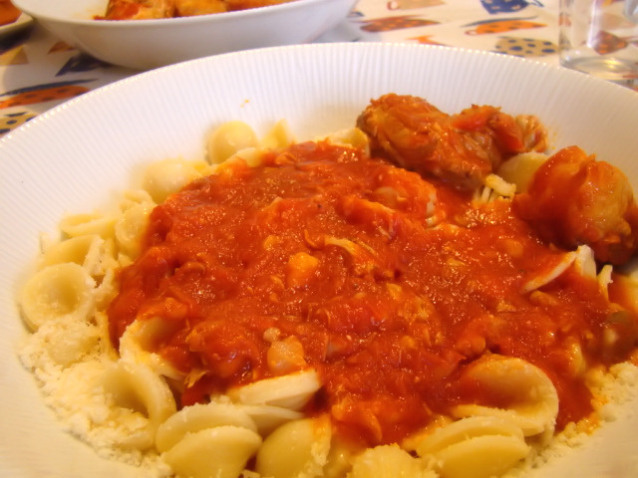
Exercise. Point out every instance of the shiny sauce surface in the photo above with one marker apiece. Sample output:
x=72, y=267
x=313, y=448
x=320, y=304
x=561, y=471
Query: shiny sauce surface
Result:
x=385, y=283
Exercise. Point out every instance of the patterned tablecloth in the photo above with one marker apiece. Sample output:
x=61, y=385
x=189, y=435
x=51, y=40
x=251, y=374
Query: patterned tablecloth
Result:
x=39, y=71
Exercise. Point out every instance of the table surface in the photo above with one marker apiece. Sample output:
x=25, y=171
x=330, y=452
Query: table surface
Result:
x=39, y=71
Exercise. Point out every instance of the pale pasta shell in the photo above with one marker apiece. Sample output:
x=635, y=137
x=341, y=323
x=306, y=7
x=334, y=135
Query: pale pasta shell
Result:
x=268, y=417
x=288, y=391
x=279, y=136
x=545, y=277
x=163, y=178
x=340, y=459
x=198, y=417
x=353, y=137
x=499, y=186
x=251, y=156
x=481, y=457
x=130, y=227
x=520, y=169
x=585, y=263
x=59, y=292
x=296, y=449
x=533, y=400
x=135, y=197
x=605, y=278
x=229, y=138
x=140, y=337
x=465, y=429
x=220, y=452
x=138, y=388
x=83, y=250
x=86, y=224
x=389, y=461
x=107, y=289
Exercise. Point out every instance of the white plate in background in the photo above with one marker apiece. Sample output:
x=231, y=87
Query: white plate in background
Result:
x=21, y=22
x=75, y=157
x=147, y=44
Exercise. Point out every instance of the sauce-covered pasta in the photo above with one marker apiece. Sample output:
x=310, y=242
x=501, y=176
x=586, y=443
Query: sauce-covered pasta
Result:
x=313, y=300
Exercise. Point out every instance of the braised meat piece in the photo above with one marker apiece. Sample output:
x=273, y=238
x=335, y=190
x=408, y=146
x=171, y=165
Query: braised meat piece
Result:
x=462, y=148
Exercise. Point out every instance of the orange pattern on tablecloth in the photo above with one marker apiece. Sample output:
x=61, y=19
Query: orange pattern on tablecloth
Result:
x=41, y=94
x=412, y=4
x=501, y=26
x=15, y=56
x=10, y=121
x=395, y=23
x=426, y=40
x=60, y=46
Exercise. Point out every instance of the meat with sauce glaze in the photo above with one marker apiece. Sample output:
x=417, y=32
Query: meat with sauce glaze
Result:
x=463, y=148
x=574, y=199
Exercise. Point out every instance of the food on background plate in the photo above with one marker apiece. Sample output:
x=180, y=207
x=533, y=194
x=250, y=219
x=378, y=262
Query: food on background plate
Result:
x=152, y=9
x=304, y=309
x=8, y=12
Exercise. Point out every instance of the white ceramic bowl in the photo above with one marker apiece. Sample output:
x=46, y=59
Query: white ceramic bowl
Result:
x=151, y=43
x=77, y=156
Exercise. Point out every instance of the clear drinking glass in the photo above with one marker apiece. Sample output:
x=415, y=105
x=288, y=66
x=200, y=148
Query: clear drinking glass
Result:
x=600, y=37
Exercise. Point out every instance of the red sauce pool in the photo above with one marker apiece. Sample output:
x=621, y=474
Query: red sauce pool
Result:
x=391, y=284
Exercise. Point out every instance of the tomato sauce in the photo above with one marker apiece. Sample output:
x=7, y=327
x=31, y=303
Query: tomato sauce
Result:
x=120, y=11
x=387, y=284
x=8, y=12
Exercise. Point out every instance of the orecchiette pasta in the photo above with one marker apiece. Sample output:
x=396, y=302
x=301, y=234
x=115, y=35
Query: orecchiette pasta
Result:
x=137, y=341
x=465, y=447
x=305, y=443
x=168, y=176
x=288, y=391
x=530, y=396
x=137, y=388
x=467, y=428
x=605, y=278
x=267, y=417
x=229, y=138
x=546, y=276
x=279, y=136
x=83, y=250
x=199, y=417
x=87, y=224
x=130, y=227
x=350, y=137
x=480, y=457
x=58, y=292
x=520, y=169
x=389, y=461
x=585, y=263
x=220, y=452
